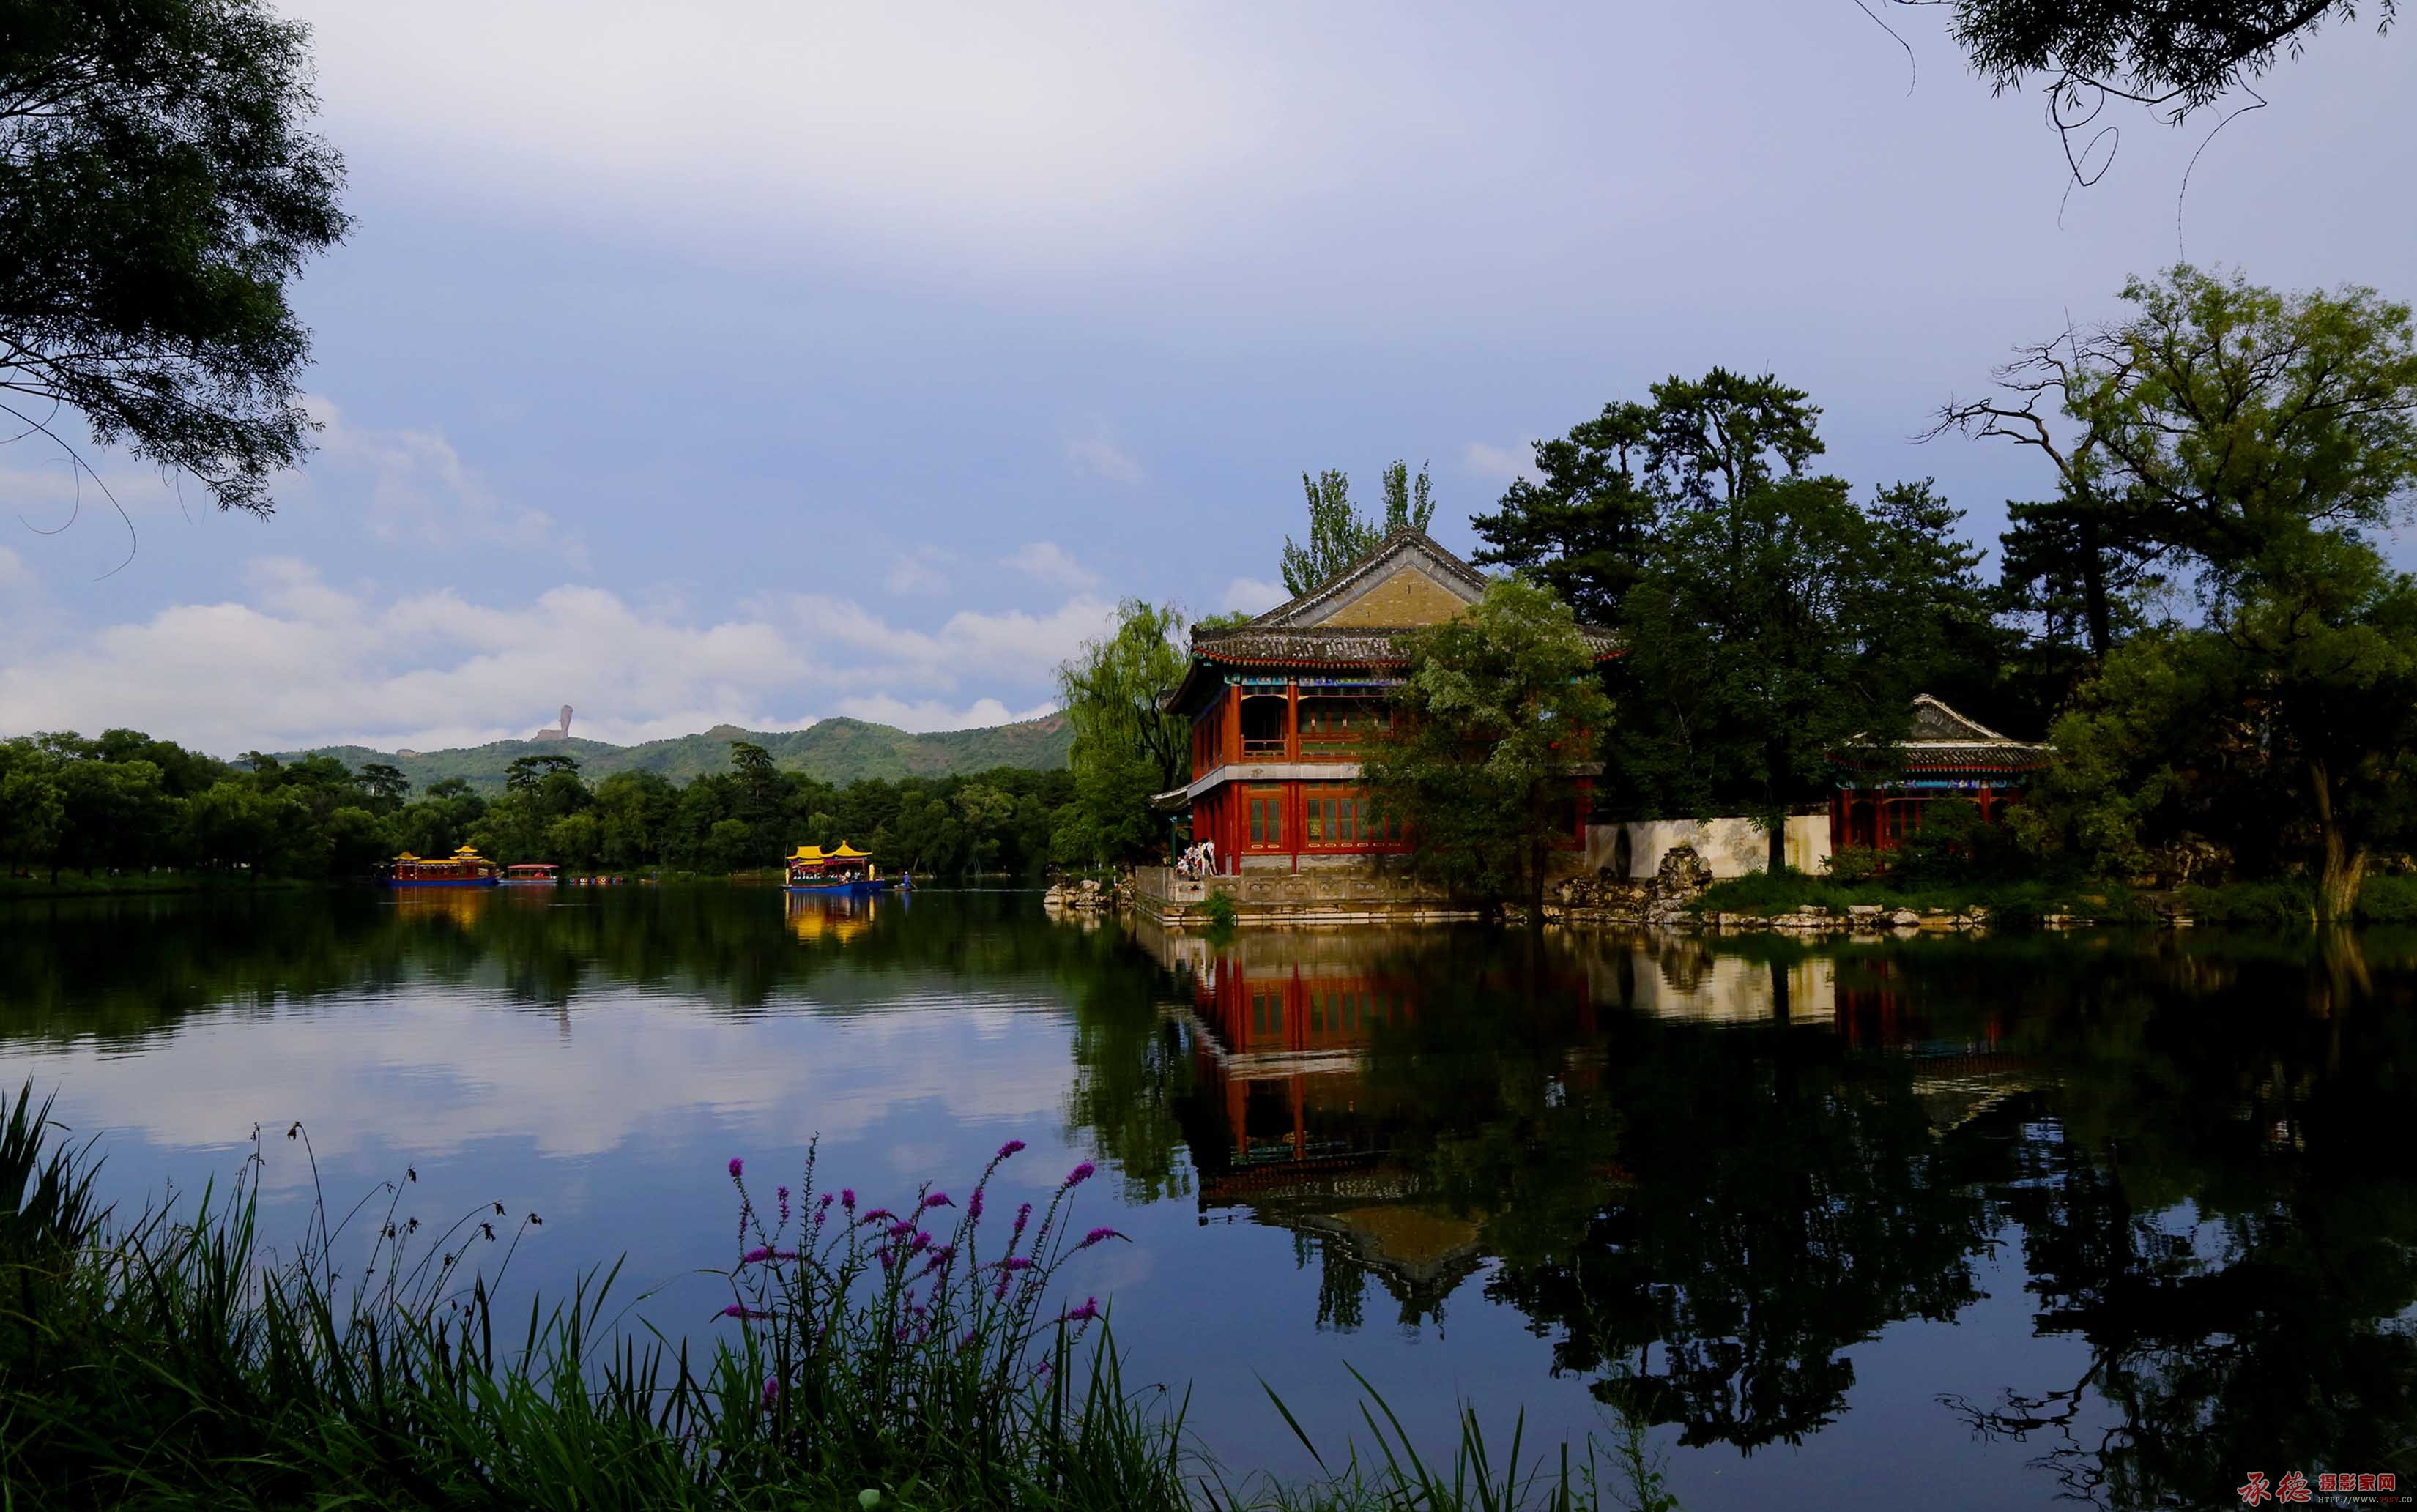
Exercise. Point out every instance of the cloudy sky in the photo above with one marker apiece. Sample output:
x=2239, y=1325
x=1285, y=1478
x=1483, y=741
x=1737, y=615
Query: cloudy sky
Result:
x=761, y=362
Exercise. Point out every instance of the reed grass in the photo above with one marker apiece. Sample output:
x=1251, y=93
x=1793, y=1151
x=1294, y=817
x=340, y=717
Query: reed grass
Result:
x=167, y=1362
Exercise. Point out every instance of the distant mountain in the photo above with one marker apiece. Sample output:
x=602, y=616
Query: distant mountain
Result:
x=835, y=750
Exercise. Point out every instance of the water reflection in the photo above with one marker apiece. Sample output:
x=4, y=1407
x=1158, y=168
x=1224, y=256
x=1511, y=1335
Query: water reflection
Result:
x=2137, y=1211
x=1709, y=1174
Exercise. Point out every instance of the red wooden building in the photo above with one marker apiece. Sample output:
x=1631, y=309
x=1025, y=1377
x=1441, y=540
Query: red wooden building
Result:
x=1281, y=707
x=1882, y=791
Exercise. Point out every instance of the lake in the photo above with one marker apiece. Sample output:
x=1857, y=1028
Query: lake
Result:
x=1984, y=1223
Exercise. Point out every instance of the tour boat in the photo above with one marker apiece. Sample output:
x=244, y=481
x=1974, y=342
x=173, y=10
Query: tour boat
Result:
x=531, y=874
x=465, y=867
x=842, y=871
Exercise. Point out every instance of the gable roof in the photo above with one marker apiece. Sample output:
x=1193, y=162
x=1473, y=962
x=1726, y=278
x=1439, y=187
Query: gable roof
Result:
x=1328, y=598
x=1300, y=631
x=1941, y=739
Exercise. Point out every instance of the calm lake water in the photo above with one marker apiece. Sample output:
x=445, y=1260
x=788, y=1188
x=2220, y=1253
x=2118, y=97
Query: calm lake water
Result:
x=1949, y=1223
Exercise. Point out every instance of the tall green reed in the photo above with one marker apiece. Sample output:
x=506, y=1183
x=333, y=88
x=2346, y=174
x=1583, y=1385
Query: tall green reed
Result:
x=873, y=1362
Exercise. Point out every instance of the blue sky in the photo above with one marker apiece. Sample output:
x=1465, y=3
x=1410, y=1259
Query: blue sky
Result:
x=764, y=362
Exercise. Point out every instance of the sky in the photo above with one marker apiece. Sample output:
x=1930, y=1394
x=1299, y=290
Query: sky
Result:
x=762, y=362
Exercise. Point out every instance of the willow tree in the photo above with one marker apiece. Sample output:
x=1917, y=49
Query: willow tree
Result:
x=159, y=193
x=1499, y=708
x=1126, y=747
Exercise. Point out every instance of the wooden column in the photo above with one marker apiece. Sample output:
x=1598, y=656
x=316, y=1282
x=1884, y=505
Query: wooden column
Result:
x=1292, y=720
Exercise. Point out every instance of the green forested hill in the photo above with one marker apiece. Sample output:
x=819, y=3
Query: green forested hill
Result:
x=835, y=750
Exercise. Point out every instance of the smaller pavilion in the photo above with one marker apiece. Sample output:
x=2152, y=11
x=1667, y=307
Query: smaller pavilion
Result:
x=1883, y=790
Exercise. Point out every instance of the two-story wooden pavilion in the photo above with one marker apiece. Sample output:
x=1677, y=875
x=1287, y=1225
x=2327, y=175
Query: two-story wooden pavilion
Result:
x=1281, y=707
x=1882, y=791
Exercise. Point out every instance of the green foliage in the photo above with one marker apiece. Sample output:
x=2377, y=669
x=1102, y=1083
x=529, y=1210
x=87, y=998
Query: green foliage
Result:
x=1220, y=911
x=2180, y=57
x=828, y=750
x=2285, y=729
x=1851, y=863
x=158, y=193
x=1126, y=745
x=185, y=1364
x=1339, y=537
x=2010, y=900
x=1497, y=706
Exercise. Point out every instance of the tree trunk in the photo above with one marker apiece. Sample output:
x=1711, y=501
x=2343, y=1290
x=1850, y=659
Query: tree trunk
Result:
x=1779, y=844
x=2344, y=866
x=2093, y=589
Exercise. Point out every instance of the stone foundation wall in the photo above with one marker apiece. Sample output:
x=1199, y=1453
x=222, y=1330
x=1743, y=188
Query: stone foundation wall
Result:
x=1372, y=893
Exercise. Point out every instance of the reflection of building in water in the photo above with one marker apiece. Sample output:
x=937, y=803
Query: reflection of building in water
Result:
x=462, y=905
x=1680, y=977
x=818, y=917
x=1284, y=1128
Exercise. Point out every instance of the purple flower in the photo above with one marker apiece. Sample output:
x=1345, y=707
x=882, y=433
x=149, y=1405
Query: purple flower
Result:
x=847, y=1198
x=938, y=1200
x=736, y=1311
x=771, y=1390
x=974, y=1206
x=1089, y=1310
x=823, y=1203
x=736, y=1166
x=1008, y=1149
x=966, y=1342
x=1078, y=1175
x=1023, y=1216
x=1096, y=1235
x=785, y=1206
x=754, y=1257
x=1012, y=1262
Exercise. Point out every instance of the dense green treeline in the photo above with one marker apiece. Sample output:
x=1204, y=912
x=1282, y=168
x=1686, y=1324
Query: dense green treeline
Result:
x=124, y=803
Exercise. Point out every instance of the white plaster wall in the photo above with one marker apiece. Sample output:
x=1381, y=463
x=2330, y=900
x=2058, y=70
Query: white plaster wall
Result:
x=1732, y=847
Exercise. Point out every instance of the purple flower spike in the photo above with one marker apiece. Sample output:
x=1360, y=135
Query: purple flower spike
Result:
x=1079, y=1174
x=737, y=1167
x=847, y=1198
x=784, y=1204
x=938, y=1200
x=1096, y=1235
x=974, y=1206
x=1008, y=1148
x=771, y=1389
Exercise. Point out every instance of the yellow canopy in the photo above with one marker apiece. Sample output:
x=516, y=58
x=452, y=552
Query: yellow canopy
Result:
x=406, y=856
x=845, y=851
x=465, y=850
x=808, y=852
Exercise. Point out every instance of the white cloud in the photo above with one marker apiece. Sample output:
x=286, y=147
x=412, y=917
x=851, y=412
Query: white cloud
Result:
x=412, y=485
x=916, y=573
x=1249, y=596
x=1098, y=457
x=296, y=660
x=1498, y=465
x=1048, y=562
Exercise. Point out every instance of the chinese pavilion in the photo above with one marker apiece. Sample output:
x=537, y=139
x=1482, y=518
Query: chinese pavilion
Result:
x=1882, y=791
x=1281, y=707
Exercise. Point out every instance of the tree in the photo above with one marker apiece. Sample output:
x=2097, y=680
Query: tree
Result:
x=526, y=772
x=2216, y=422
x=1500, y=706
x=2179, y=56
x=159, y=192
x=32, y=813
x=2287, y=728
x=1768, y=633
x=575, y=841
x=385, y=784
x=1582, y=524
x=1339, y=537
x=1126, y=745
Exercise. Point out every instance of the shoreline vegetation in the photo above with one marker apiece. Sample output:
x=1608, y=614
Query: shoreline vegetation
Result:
x=2280, y=902
x=916, y=1357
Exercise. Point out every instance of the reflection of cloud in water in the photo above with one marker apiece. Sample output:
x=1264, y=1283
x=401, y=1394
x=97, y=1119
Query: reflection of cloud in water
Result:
x=427, y=1074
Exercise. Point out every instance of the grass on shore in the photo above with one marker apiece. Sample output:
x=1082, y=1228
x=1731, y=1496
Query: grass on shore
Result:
x=1767, y=894
x=874, y=1365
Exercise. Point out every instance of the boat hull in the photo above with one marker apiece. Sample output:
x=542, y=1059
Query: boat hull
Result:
x=836, y=889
